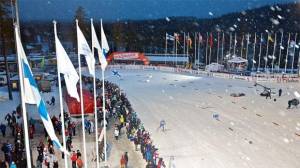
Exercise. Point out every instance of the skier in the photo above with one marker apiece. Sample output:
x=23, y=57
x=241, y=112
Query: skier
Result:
x=280, y=92
x=162, y=125
x=52, y=101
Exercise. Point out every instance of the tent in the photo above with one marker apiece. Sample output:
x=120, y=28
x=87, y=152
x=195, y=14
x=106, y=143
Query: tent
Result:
x=74, y=105
x=237, y=64
x=214, y=67
x=237, y=60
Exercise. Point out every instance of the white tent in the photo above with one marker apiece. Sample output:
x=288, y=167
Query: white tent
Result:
x=237, y=60
x=213, y=67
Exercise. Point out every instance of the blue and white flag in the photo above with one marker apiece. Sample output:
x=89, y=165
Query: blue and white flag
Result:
x=170, y=37
x=116, y=73
x=96, y=45
x=32, y=95
x=104, y=43
x=84, y=49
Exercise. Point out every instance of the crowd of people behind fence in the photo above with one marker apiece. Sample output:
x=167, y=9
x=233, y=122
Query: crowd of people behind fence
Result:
x=119, y=107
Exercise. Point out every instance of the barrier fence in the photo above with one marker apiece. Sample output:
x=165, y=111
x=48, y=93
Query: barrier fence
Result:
x=279, y=78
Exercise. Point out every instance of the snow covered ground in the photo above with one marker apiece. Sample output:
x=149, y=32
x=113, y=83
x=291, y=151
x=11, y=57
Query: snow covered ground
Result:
x=251, y=131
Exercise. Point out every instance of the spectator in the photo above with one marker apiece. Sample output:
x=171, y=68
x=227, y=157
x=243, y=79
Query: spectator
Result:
x=13, y=165
x=116, y=132
x=73, y=159
x=79, y=162
x=3, y=129
x=123, y=161
x=52, y=101
x=126, y=159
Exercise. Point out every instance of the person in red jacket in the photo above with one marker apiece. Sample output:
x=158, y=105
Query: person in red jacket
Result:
x=123, y=161
x=161, y=163
x=74, y=159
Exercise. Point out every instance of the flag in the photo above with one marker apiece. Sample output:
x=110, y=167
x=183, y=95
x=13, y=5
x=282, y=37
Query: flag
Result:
x=176, y=35
x=84, y=49
x=270, y=38
x=65, y=66
x=43, y=62
x=189, y=41
x=96, y=45
x=211, y=41
x=104, y=43
x=32, y=95
x=170, y=37
x=200, y=38
x=116, y=73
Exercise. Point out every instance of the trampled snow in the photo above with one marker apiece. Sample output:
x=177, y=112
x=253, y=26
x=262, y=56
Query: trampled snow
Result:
x=252, y=131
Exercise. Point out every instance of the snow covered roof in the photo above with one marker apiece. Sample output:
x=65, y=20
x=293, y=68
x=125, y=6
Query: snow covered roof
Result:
x=237, y=60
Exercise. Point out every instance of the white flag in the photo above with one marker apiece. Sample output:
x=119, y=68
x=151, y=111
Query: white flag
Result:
x=65, y=66
x=104, y=42
x=95, y=44
x=84, y=49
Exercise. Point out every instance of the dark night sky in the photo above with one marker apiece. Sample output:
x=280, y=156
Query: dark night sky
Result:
x=135, y=9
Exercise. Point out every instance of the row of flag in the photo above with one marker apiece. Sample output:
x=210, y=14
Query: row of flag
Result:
x=29, y=88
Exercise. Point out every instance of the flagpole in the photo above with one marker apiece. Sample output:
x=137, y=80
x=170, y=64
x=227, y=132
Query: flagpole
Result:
x=206, y=49
x=61, y=103
x=287, y=53
x=81, y=103
x=280, y=50
x=254, y=46
x=104, y=117
x=174, y=49
x=176, y=41
x=267, y=53
x=184, y=42
x=195, y=45
x=234, y=45
x=294, y=52
x=24, y=112
x=242, y=46
x=187, y=47
x=210, y=50
x=166, y=49
x=230, y=43
x=247, y=45
x=218, y=47
x=259, y=55
x=95, y=105
x=199, y=46
x=223, y=40
x=274, y=49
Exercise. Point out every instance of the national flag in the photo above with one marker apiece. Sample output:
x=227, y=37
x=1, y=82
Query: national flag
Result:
x=176, y=35
x=270, y=38
x=200, y=38
x=116, y=73
x=211, y=41
x=96, y=45
x=65, y=66
x=170, y=37
x=84, y=49
x=32, y=95
x=104, y=43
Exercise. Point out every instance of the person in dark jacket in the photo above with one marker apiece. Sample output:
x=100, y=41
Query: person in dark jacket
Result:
x=280, y=92
x=126, y=159
x=3, y=129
